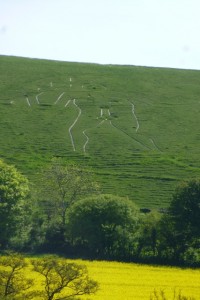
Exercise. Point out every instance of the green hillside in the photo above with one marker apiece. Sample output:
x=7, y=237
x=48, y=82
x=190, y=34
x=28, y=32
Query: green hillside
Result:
x=136, y=127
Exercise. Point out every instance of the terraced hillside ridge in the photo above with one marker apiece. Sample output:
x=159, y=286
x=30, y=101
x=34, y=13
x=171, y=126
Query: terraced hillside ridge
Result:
x=136, y=127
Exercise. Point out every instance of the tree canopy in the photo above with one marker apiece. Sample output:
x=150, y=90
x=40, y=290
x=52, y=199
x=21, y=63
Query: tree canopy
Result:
x=103, y=223
x=63, y=280
x=13, y=190
x=61, y=185
x=180, y=228
x=185, y=208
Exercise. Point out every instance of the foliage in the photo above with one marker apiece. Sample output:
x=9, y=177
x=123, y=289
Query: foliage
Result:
x=185, y=208
x=58, y=188
x=61, y=186
x=148, y=236
x=179, y=229
x=104, y=224
x=13, y=282
x=13, y=192
x=63, y=280
x=60, y=279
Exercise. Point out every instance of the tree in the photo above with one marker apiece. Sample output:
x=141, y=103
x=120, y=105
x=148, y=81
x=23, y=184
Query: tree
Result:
x=104, y=224
x=61, y=187
x=179, y=228
x=63, y=280
x=185, y=208
x=148, y=236
x=13, y=283
x=13, y=191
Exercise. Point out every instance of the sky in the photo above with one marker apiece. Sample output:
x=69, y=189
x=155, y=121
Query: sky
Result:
x=158, y=33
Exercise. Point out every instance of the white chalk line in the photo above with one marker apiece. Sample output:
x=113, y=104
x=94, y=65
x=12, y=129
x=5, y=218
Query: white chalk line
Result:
x=137, y=123
x=135, y=140
x=67, y=103
x=37, y=97
x=75, y=121
x=101, y=122
x=59, y=97
x=138, y=126
x=28, y=102
x=87, y=141
x=156, y=147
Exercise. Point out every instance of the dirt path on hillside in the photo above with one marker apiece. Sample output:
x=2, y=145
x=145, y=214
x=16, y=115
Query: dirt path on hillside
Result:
x=75, y=121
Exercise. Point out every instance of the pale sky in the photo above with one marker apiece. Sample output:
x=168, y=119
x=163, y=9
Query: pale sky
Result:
x=158, y=33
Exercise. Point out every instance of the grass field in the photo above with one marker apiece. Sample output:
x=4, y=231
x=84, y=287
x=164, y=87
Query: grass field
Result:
x=137, y=127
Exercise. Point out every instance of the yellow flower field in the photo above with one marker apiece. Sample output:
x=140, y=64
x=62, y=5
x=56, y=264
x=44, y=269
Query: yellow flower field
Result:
x=129, y=281
x=126, y=281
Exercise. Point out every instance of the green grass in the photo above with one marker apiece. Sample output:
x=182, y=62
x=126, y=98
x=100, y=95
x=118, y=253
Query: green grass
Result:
x=141, y=152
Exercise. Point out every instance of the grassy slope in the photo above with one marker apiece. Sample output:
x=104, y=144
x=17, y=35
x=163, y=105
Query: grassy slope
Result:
x=139, y=151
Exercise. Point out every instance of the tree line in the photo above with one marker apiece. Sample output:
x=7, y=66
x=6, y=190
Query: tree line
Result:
x=66, y=213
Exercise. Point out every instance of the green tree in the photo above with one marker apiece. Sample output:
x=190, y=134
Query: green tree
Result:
x=13, y=282
x=61, y=186
x=63, y=280
x=179, y=228
x=185, y=208
x=13, y=191
x=148, y=235
x=104, y=224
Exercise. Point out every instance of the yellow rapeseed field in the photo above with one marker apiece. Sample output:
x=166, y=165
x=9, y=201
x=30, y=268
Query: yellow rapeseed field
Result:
x=127, y=281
